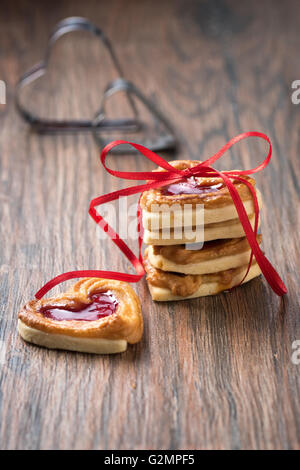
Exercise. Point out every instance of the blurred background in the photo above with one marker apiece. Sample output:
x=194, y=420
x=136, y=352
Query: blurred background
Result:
x=215, y=67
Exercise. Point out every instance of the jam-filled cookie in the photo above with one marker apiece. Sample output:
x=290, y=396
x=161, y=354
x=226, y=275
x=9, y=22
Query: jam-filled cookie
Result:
x=166, y=285
x=96, y=316
x=212, y=257
x=176, y=205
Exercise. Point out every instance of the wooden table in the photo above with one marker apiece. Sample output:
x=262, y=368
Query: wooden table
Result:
x=215, y=372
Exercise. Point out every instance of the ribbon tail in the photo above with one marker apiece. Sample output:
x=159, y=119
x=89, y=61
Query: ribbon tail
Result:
x=86, y=273
x=266, y=267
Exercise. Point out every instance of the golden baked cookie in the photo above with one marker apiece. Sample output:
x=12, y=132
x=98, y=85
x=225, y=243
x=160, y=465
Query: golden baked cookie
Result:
x=96, y=316
x=171, y=214
x=165, y=285
x=212, y=257
x=212, y=192
x=220, y=230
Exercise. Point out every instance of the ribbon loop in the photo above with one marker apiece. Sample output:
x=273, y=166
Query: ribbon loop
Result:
x=159, y=179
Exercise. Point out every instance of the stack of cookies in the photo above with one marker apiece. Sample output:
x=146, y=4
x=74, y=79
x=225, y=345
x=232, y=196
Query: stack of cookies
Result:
x=196, y=242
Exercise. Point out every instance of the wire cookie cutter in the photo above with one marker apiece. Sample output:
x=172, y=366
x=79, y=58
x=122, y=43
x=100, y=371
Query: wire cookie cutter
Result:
x=164, y=139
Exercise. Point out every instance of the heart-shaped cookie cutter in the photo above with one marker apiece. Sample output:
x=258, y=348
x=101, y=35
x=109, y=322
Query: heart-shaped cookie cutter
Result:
x=164, y=141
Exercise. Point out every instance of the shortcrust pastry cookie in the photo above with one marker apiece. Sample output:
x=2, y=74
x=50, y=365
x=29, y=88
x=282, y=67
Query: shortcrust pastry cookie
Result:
x=173, y=216
x=166, y=286
x=171, y=213
x=220, y=230
x=96, y=316
x=212, y=193
x=214, y=256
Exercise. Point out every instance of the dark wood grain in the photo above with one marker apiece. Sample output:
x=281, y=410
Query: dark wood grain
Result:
x=209, y=373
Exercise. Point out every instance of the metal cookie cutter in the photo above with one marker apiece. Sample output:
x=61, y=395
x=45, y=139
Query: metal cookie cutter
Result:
x=164, y=139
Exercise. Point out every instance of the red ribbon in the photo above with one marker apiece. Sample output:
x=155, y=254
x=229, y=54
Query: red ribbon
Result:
x=163, y=178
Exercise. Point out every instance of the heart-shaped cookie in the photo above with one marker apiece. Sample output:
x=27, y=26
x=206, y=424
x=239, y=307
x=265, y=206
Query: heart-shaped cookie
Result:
x=96, y=315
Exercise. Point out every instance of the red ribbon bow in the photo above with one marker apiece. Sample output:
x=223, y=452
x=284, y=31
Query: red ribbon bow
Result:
x=163, y=178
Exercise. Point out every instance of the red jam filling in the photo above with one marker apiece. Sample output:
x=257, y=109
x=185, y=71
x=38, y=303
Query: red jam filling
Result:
x=103, y=304
x=191, y=186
